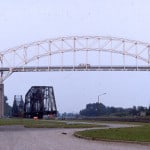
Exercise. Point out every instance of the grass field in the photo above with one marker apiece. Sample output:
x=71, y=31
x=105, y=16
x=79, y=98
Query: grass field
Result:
x=134, y=134
x=30, y=123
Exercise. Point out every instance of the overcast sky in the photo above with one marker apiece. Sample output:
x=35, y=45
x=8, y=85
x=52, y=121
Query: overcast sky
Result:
x=26, y=21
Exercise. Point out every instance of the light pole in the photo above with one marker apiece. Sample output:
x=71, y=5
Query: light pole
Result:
x=100, y=95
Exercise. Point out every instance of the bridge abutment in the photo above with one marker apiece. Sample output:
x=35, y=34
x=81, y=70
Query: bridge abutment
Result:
x=1, y=100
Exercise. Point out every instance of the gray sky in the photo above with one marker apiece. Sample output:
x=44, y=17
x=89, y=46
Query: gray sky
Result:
x=33, y=20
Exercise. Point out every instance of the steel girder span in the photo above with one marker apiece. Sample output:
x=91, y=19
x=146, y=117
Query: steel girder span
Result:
x=40, y=101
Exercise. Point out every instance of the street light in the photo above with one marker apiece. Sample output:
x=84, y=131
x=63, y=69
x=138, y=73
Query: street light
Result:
x=101, y=95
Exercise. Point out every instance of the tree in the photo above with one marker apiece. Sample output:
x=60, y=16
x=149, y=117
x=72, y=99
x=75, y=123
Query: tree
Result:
x=134, y=111
x=95, y=109
x=7, y=107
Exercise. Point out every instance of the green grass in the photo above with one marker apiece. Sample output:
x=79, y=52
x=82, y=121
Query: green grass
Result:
x=30, y=123
x=134, y=134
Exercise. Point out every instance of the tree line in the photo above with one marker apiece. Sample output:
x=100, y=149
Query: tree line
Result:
x=99, y=109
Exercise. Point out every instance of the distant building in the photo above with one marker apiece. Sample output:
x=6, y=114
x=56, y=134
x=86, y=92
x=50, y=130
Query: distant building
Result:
x=142, y=113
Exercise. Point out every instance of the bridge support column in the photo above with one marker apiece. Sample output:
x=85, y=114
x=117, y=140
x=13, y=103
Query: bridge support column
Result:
x=1, y=100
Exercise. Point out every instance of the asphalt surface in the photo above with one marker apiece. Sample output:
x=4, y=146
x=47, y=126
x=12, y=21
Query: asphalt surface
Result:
x=20, y=138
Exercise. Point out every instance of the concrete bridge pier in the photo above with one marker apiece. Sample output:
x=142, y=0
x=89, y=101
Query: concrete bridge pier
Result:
x=1, y=100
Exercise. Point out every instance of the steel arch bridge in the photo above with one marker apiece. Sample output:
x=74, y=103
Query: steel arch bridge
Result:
x=75, y=53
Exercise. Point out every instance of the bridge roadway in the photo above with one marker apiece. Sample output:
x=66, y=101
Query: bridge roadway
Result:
x=75, y=68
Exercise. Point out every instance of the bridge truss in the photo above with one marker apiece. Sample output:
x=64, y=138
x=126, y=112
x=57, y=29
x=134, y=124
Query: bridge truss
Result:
x=76, y=53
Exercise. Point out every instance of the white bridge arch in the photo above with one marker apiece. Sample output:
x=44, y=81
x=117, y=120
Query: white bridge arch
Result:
x=76, y=53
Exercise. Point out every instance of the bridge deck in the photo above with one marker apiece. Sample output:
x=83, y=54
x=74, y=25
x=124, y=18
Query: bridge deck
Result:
x=76, y=68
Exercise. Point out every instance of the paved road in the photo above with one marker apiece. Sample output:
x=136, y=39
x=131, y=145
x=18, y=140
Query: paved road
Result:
x=20, y=138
